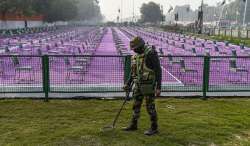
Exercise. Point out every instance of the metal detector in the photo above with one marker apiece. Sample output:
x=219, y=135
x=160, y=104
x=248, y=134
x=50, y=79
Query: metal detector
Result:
x=111, y=127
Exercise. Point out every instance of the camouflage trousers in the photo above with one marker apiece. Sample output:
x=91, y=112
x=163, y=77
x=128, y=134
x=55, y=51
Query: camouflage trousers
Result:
x=150, y=106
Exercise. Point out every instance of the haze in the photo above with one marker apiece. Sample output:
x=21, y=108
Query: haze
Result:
x=110, y=8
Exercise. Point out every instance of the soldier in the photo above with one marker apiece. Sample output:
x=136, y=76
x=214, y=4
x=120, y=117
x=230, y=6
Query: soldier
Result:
x=146, y=74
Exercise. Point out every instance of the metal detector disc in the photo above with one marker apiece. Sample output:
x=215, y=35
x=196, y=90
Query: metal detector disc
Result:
x=107, y=128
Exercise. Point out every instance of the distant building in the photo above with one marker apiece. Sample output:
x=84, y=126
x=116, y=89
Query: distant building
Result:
x=210, y=13
x=185, y=13
x=247, y=12
x=233, y=13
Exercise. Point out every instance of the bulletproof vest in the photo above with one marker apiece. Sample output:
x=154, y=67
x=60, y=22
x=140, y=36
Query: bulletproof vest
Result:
x=140, y=72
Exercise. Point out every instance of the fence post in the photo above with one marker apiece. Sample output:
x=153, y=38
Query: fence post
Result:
x=127, y=68
x=46, y=82
x=206, y=71
x=231, y=32
x=239, y=33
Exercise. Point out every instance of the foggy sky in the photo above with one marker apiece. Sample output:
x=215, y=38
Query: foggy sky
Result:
x=110, y=8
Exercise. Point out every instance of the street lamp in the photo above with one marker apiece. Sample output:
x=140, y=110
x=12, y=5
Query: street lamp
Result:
x=119, y=14
x=133, y=11
x=236, y=20
x=222, y=4
x=200, y=18
x=169, y=11
x=245, y=11
x=162, y=15
x=121, y=10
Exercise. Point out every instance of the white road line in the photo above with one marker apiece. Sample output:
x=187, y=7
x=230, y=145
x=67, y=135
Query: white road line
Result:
x=171, y=75
x=161, y=66
x=122, y=34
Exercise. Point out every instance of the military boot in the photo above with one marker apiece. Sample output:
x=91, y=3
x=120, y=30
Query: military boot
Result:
x=131, y=127
x=153, y=130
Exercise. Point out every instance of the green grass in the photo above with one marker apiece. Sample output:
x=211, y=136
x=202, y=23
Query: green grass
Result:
x=190, y=122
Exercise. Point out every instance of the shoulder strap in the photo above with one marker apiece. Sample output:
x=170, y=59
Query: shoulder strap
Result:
x=147, y=50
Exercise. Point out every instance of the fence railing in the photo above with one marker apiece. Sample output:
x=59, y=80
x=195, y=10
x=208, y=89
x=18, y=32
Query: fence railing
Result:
x=99, y=74
x=233, y=32
x=239, y=33
x=229, y=32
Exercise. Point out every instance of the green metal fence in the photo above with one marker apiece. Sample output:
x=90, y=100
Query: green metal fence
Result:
x=99, y=74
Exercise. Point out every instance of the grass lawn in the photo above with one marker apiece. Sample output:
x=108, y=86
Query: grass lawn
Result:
x=190, y=122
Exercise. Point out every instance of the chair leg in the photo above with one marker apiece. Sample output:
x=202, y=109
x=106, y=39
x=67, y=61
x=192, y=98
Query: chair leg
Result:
x=197, y=76
x=15, y=75
x=180, y=75
x=19, y=76
x=33, y=76
x=30, y=77
x=67, y=76
x=82, y=76
x=70, y=77
x=247, y=77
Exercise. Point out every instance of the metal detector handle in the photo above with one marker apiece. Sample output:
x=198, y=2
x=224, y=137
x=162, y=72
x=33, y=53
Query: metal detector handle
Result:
x=129, y=90
x=127, y=95
x=123, y=104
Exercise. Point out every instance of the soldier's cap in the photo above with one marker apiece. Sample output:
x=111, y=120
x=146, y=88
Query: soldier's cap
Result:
x=137, y=42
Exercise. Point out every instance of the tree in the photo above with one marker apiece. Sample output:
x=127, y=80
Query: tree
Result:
x=151, y=12
x=52, y=10
x=7, y=6
x=20, y=7
x=56, y=10
x=65, y=10
x=88, y=9
x=24, y=7
x=41, y=6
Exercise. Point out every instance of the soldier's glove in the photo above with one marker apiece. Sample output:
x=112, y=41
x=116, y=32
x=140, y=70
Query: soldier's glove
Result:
x=126, y=87
x=157, y=92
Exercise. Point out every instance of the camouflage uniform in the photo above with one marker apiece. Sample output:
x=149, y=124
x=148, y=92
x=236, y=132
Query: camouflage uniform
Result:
x=146, y=75
x=144, y=79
